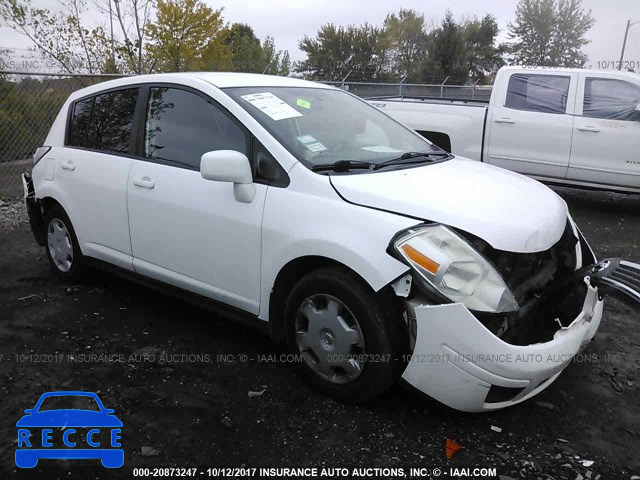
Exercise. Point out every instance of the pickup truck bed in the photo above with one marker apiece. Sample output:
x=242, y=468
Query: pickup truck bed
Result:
x=565, y=126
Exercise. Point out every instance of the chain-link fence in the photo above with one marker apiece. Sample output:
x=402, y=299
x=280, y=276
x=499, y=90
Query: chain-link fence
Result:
x=407, y=90
x=30, y=102
x=28, y=105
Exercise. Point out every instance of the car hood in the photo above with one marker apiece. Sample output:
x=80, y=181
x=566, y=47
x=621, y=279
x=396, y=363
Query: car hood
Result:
x=69, y=418
x=509, y=211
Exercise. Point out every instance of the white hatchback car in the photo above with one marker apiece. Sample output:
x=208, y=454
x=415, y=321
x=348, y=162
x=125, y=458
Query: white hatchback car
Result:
x=375, y=255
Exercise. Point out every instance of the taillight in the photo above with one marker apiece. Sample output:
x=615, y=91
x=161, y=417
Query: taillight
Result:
x=40, y=152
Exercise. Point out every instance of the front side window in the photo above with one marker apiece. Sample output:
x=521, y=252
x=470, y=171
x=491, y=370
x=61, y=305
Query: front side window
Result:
x=538, y=93
x=322, y=126
x=112, y=121
x=611, y=99
x=181, y=126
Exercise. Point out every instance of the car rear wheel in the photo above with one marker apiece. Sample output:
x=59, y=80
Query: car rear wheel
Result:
x=350, y=340
x=62, y=246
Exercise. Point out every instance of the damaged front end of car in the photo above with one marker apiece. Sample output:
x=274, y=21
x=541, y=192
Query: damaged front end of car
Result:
x=491, y=328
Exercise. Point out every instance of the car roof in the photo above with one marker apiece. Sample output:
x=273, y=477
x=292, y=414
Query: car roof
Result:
x=217, y=79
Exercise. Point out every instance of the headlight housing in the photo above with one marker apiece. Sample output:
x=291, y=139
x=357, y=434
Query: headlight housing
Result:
x=452, y=267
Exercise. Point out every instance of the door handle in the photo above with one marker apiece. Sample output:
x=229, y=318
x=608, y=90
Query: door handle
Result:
x=144, y=182
x=505, y=120
x=589, y=128
x=68, y=165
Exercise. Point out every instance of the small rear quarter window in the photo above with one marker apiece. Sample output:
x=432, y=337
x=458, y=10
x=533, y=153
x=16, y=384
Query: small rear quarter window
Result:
x=79, y=126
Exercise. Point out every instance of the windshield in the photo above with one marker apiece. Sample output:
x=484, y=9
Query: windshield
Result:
x=323, y=126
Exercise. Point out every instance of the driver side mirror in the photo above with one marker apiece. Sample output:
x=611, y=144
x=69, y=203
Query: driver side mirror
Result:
x=637, y=107
x=230, y=166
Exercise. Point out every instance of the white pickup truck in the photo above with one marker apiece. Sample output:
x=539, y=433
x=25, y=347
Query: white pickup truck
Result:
x=564, y=126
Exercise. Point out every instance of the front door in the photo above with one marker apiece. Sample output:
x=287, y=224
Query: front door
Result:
x=529, y=130
x=185, y=230
x=606, y=136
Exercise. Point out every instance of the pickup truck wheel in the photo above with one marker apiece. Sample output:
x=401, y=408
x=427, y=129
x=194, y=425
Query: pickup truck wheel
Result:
x=62, y=246
x=350, y=340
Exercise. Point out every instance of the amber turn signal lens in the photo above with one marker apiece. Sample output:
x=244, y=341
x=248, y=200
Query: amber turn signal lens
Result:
x=416, y=257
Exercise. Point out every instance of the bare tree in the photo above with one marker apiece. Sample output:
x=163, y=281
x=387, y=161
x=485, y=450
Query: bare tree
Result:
x=131, y=18
x=60, y=36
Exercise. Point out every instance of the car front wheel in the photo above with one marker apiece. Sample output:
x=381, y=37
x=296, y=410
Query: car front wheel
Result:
x=350, y=341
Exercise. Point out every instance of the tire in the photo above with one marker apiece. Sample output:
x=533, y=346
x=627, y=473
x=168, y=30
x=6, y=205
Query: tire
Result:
x=61, y=245
x=352, y=340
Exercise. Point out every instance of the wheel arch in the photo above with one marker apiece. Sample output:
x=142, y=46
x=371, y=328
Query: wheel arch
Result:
x=49, y=202
x=37, y=209
x=287, y=277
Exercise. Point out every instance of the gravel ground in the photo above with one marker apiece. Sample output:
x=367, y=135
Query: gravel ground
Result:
x=13, y=213
x=195, y=390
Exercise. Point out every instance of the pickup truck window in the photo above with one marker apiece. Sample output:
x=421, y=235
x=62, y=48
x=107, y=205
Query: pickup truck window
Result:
x=538, y=93
x=611, y=99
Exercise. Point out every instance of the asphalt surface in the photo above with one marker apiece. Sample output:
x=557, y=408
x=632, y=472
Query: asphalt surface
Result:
x=194, y=390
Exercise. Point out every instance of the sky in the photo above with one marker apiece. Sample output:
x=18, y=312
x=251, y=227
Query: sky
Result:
x=289, y=20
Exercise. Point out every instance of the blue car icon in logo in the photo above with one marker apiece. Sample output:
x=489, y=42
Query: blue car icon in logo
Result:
x=76, y=420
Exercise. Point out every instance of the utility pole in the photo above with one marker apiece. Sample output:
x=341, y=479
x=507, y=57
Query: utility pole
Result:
x=113, y=53
x=624, y=42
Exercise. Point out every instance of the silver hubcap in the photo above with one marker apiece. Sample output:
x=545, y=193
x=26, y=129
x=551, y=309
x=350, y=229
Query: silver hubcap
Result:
x=330, y=339
x=60, y=246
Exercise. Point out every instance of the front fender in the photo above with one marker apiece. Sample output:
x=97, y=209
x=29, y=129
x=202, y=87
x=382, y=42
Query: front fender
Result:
x=298, y=225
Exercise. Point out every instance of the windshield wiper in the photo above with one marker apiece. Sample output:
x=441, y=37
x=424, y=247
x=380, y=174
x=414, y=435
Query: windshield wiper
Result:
x=412, y=157
x=342, y=166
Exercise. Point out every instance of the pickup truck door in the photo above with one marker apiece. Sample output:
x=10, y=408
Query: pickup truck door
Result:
x=606, y=135
x=530, y=123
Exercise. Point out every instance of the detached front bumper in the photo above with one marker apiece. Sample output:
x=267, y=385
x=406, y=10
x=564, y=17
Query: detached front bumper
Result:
x=459, y=362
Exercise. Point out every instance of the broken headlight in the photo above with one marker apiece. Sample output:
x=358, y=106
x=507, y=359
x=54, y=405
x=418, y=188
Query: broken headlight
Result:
x=452, y=267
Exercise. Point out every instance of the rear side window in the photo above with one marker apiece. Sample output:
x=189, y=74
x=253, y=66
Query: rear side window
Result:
x=611, y=99
x=181, y=126
x=79, y=127
x=112, y=121
x=538, y=93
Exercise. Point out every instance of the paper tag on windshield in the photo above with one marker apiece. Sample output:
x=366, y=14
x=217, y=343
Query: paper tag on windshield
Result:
x=316, y=147
x=274, y=107
x=306, y=139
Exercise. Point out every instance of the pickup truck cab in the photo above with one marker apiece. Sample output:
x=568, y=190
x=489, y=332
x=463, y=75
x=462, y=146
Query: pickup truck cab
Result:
x=563, y=126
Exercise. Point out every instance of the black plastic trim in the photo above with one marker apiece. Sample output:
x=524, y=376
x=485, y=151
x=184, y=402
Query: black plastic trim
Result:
x=36, y=222
x=232, y=313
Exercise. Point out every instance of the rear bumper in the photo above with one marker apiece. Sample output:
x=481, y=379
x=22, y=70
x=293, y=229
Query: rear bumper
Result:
x=33, y=209
x=458, y=361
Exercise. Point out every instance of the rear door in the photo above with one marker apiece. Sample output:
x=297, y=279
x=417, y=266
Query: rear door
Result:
x=92, y=171
x=606, y=137
x=529, y=128
x=185, y=230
